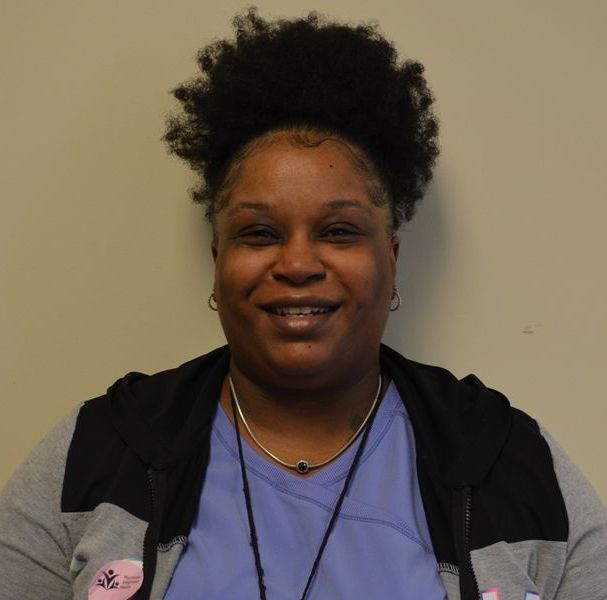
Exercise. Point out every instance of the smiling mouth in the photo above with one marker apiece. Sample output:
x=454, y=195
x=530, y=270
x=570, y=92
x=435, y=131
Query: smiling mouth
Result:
x=299, y=311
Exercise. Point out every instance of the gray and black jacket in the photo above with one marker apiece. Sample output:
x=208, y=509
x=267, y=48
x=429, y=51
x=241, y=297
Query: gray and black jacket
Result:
x=509, y=515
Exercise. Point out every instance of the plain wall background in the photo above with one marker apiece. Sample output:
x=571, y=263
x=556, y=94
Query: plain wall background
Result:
x=104, y=261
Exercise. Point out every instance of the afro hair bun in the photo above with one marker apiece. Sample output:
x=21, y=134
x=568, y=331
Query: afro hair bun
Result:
x=312, y=73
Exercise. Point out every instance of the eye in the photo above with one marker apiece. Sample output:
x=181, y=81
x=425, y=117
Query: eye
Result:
x=341, y=233
x=258, y=236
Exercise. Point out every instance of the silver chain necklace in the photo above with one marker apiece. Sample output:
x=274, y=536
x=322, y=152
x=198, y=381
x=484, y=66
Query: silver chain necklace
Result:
x=303, y=466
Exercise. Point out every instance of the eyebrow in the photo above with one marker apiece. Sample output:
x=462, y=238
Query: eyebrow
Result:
x=347, y=203
x=244, y=206
x=266, y=207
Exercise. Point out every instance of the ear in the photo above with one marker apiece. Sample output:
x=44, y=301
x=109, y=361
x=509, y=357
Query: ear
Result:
x=214, y=245
x=394, y=249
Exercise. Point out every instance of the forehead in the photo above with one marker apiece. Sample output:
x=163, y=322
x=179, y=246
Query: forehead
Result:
x=285, y=164
x=278, y=170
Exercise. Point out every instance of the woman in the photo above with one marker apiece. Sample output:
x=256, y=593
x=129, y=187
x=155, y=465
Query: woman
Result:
x=305, y=459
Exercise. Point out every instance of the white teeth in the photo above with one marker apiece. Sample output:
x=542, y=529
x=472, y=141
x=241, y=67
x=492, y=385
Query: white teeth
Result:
x=299, y=310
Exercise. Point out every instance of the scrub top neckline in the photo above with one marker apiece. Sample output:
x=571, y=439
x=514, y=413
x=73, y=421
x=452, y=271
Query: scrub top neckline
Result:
x=325, y=476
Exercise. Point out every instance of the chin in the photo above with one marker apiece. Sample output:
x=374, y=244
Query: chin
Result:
x=304, y=362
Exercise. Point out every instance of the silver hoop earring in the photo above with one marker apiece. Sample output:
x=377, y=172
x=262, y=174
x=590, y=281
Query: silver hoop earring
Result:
x=212, y=302
x=396, y=300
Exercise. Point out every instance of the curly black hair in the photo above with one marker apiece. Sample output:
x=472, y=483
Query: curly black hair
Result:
x=311, y=74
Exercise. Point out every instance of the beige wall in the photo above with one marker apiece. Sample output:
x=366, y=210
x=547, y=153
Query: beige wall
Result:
x=104, y=263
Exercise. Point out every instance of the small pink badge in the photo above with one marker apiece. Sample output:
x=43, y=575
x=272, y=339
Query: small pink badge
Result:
x=118, y=580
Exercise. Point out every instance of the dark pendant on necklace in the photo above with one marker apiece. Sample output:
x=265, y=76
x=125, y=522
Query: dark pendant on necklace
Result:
x=302, y=466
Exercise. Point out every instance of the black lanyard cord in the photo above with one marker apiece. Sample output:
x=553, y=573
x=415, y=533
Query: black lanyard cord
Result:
x=247, y=495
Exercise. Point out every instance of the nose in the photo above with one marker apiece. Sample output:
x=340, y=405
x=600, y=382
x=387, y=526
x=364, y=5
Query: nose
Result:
x=298, y=262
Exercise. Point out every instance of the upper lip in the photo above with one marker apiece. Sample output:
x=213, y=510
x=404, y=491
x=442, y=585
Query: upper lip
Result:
x=299, y=302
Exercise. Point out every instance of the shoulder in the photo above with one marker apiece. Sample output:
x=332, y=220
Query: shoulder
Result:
x=142, y=421
x=47, y=458
x=161, y=401
x=33, y=539
x=527, y=488
x=584, y=571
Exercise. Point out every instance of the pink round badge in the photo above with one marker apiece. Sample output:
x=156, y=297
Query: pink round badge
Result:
x=118, y=580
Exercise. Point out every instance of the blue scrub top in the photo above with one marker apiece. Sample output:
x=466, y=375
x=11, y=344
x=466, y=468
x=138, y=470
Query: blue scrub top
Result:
x=380, y=546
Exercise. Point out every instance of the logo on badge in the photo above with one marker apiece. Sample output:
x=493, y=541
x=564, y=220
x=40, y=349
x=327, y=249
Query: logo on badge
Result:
x=117, y=580
x=108, y=580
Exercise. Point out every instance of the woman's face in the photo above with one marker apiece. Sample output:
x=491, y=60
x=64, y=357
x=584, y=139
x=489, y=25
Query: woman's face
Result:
x=304, y=265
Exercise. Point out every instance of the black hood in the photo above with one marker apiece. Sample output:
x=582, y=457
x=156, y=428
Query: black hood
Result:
x=460, y=425
x=162, y=417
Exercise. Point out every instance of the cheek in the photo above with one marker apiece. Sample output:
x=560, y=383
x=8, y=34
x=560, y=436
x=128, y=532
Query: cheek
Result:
x=370, y=277
x=237, y=274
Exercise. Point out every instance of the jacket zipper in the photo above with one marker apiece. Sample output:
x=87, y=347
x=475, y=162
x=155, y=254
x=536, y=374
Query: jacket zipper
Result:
x=152, y=533
x=468, y=583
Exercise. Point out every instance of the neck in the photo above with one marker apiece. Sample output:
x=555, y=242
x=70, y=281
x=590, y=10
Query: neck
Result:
x=295, y=424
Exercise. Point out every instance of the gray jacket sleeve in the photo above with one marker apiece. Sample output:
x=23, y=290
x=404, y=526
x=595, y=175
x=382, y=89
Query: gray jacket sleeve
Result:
x=585, y=572
x=34, y=546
